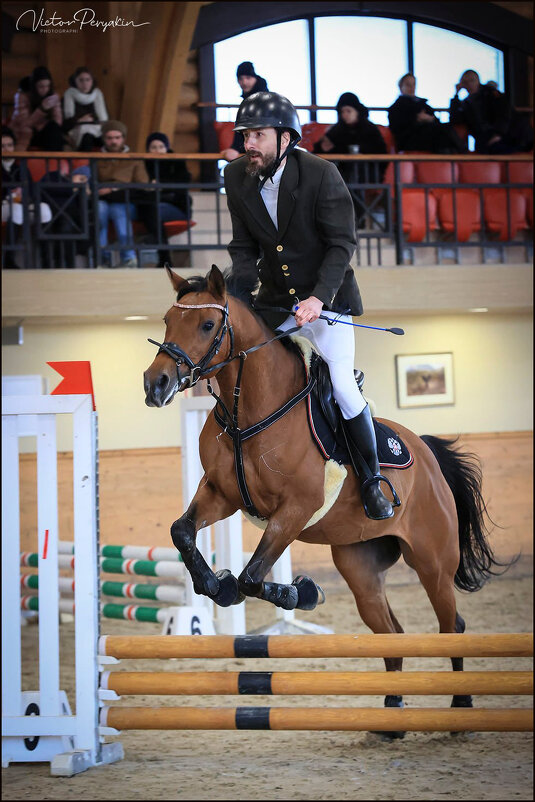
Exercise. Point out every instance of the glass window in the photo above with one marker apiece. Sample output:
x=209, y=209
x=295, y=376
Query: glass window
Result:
x=280, y=54
x=437, y=76
x=363, y=55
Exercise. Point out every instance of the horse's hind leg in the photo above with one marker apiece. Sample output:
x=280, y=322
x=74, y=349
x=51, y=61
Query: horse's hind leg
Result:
x=438, y=581
x=363, y=566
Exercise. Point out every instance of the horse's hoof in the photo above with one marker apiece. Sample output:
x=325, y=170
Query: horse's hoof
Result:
x=460, y=701
x=393, y=701
x=229, y=590
x=310, y=594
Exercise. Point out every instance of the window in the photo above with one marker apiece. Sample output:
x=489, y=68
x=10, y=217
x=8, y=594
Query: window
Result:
x=280, y=54
x=440, y=58
x=363, y=55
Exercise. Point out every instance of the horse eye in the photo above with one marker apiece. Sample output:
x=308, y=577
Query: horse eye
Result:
x=208, y=325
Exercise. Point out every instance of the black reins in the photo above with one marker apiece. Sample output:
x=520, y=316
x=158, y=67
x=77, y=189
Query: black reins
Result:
x=227, y=420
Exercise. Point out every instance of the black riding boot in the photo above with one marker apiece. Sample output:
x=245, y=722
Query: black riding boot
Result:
x=360, y=439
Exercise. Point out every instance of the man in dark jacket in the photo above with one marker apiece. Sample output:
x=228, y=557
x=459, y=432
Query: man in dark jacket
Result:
x=293, y=230
x=490, y=119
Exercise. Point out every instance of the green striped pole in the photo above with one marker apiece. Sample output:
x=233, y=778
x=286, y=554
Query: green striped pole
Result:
x=130, y=612
x=129, y=590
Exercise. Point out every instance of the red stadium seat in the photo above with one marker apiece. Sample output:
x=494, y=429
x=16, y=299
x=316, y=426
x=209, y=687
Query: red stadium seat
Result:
x=496, y=213
x=388, y=137
x=174, y=227
x=521, y=173
x=225, y=134
x=38, y=167
x=312, y=133
x=413, y=203
x=480, y=173
x=467, y=212
x=439, y=172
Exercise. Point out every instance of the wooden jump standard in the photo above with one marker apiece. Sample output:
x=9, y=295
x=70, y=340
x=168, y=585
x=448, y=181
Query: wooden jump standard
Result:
x=164, y=647
x=284, y=683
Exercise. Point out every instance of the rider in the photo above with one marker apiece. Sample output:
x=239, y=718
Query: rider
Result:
x=293, y=230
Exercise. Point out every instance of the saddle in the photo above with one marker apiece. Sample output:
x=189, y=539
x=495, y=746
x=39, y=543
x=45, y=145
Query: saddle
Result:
x=325, y=420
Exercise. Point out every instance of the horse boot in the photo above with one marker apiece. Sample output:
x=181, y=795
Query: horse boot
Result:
x=362, y=445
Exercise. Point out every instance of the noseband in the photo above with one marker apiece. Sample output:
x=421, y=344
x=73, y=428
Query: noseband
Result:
x=198, y=370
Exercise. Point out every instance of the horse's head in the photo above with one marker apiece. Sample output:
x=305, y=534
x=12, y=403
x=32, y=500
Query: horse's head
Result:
x=196, y=326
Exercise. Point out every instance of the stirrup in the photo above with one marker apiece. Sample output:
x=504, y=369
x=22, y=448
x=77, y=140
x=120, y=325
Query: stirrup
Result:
x=396, y=501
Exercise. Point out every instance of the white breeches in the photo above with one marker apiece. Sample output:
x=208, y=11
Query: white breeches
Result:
x=336, y=345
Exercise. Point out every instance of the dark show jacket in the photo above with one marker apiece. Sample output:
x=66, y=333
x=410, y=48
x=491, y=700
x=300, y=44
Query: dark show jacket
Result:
x=310, y=252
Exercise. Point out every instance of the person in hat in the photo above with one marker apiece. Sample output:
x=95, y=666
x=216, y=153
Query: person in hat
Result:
x=249, y=83
x=84, y=110
x=293, y=236
x=355, y=133
x=46, y=116
x=116, y=204
x=173, y=203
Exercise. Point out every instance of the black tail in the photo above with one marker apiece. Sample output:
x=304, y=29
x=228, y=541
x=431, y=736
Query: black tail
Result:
x=462, y=472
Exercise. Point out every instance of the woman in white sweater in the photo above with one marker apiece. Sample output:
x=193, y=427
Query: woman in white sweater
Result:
x=84, y=109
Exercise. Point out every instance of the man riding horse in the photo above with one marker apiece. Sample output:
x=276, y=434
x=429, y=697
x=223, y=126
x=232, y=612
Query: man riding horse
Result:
x=293, y=232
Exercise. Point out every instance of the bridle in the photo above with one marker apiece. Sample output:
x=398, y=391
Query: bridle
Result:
x=200, y=369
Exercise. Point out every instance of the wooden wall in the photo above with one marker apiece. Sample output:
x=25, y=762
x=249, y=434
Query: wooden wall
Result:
x=140, y=497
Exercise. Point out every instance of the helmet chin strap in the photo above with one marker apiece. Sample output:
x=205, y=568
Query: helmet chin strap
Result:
x=280, y=157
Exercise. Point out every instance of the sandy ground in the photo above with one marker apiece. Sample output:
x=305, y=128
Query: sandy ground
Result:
x=167, y=765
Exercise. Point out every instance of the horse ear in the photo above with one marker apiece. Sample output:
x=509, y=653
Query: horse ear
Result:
x=216, y=283
x=176, y=280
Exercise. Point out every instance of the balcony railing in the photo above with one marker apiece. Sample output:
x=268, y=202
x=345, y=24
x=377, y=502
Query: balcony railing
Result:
x=449, y=204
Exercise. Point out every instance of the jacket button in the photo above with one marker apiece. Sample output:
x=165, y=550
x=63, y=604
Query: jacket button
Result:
x=291, y=291
x=279, y=248
x=287, y=275
x=284, y=267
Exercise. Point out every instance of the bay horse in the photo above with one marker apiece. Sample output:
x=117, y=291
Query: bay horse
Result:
x=277, y=474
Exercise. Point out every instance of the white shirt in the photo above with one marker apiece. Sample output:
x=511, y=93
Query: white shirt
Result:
x=270, y=194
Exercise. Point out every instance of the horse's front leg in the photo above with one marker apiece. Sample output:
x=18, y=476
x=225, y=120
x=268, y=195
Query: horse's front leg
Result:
x=303, y=593
x=207, y=507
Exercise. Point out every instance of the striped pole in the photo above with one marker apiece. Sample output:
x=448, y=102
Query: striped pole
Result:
x=130, y=612
x=366, y=645
x=152, y=553
x=115, y=566
x=283, y=683
x=129, y=590
x=314, y=718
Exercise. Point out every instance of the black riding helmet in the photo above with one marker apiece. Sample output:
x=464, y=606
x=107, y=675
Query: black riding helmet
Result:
x=270, y=110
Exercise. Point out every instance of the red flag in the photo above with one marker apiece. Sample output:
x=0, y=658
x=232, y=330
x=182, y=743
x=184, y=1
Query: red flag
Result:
x=76, y=379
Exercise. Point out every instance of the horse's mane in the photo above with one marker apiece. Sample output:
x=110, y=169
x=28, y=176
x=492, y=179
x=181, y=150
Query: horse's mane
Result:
x=241, y=290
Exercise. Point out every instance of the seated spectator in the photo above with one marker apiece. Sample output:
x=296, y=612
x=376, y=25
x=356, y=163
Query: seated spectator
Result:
x=414, y=125
x=46, y=117
x=174, y=204
x=354, y=133
x=250, y=83
x=10, y=194
x=115, y=204
x=20, y=119
x=489, y=117
x=84, y=110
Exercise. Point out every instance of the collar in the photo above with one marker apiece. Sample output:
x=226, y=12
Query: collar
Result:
x=273, y=183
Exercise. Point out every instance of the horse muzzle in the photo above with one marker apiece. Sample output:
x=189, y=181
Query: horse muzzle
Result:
x=161, y=389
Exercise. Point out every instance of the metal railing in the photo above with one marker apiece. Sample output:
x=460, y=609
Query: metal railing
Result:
x=58, y=220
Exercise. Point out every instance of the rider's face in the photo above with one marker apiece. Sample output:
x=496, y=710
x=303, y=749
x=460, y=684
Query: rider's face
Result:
x=261, y=148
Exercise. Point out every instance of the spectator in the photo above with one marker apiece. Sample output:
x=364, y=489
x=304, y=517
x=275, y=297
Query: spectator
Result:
x=174, y=204
x=10, y=195
x=115, y=204
x=249, y=83
x=20, y=119
x=84, y=110
x=414, y=125
x=488, y=115
x=354, y=133
x=46, y=117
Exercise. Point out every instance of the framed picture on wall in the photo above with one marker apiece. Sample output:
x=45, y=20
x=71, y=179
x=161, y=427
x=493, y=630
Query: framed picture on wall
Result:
x=424, y=380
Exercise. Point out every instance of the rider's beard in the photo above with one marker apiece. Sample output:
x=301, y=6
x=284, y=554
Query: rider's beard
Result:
x=261, y=166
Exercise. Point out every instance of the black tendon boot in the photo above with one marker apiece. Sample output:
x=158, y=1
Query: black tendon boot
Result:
x=360, y=439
